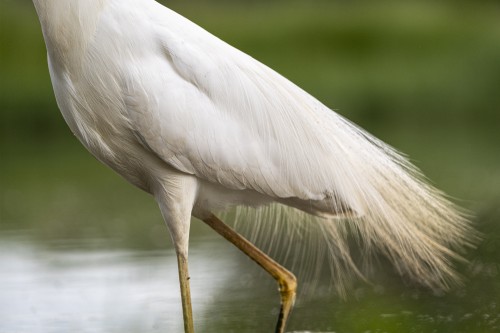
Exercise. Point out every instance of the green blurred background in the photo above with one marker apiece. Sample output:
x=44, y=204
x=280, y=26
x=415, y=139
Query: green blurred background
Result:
x=423, y=76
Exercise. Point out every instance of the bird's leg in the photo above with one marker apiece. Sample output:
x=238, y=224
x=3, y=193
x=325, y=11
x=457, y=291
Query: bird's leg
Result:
x=176, y=197
x=187, y=310
x=286, y=280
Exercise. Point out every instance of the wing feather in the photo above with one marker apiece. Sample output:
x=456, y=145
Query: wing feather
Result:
x=227, y=118
x=208, y=109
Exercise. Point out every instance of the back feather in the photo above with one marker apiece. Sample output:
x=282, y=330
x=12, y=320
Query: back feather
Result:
x=397, y=213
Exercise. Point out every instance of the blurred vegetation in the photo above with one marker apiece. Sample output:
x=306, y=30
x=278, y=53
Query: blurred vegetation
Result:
x=423, y=76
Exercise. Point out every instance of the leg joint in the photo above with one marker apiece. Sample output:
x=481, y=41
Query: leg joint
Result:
x=288, y=283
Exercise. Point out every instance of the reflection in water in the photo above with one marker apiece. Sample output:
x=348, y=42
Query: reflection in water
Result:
x=70, y=288
x=100, y=291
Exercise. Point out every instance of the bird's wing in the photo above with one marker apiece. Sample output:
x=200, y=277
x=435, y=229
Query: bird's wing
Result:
x=207, y=109
x=210, y=110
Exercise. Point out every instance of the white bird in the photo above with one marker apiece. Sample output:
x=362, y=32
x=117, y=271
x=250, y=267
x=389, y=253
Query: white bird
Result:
x=203, y=127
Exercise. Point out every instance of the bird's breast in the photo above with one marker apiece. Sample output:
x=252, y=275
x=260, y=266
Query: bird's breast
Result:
x=92, y=104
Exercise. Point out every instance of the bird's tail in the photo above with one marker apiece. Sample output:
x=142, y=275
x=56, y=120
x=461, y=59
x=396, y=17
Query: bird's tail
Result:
x=396, y=212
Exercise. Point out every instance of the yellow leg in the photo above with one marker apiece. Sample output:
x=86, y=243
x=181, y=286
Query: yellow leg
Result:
x=185, y=293
x=286, y=280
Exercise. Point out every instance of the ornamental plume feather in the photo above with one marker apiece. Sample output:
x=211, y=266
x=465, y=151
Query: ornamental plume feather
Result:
x=390, y=209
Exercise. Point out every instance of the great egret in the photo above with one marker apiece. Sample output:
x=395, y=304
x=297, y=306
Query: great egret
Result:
x=202, y=126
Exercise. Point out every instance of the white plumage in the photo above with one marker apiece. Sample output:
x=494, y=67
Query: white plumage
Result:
x=203, y=126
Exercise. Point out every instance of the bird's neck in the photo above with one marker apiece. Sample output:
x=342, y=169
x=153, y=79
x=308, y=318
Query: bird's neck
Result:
x=68, y=25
